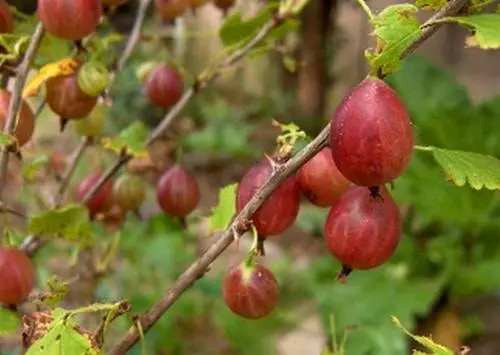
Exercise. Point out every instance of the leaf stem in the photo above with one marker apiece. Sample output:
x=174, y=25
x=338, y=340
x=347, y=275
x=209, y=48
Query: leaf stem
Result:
x=366, y=9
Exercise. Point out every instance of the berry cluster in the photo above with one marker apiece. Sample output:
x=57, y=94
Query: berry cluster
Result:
x=371, y=144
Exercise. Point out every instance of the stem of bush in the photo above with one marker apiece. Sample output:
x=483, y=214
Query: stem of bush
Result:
x=16, y=99
x=199, y=267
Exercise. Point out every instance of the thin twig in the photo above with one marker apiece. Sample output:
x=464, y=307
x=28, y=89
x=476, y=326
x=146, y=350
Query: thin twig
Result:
x=188, y=95
x=134, y=37
x=199, y=267
x=31, y=244
x=84, y=144
x=15, y=101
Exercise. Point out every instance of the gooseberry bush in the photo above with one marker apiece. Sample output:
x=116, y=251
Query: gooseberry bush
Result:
x=351, y=169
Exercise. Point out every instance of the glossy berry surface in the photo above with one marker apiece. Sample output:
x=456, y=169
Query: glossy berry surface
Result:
x=164, y=86
x=320, y=181
x=66, y=99
x=102, y=201
x=129, y=192
x=371, y=135
x=171, y=9
x=6, y=19
x=26, y=120
x=362, y=230
x=70, y=19
x=177, y=192
x=279, y=211
x=17, y=275
x=251, y=292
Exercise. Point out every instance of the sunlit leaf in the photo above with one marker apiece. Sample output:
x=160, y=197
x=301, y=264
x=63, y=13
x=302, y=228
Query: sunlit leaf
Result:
x=70, y=223
x=396, y=27
x=436, y=349
x=485, y=26
x=433, y=5
x=477, y=170
x=63, y=338
x=9, y=322
x=225, y=210
x=132, y=140
x=64, y=66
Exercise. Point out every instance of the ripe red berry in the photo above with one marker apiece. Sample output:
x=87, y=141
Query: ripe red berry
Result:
x=320, y=180
x=362, y=230
x=177, y=192
x=66, y=99
x=70, y=19
x=102, y=201
x=26, y=120
x=171, y=9
x=129, y=192
x=164, y=86
x=6, y=20
x=17, y=275
x=279, y=211
x=371, y=135
x=251, y=291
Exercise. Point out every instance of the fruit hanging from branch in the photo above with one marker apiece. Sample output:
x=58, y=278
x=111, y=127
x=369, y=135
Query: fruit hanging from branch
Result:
x=129, y=192
x=280, y=210
x=177, y=192
x=17, y=276
x=26, y=120
x=93, y=78
x=171, y=9
x=102, y=201
x=250, y=290
x=66, y=98
x=371, y=135
x=363, y=229
x=164, y=86
x=70, y=19
x=6, y=19
x=320, y=180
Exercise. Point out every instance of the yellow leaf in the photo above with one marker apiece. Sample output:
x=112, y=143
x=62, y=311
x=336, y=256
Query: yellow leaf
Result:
x=64, y=66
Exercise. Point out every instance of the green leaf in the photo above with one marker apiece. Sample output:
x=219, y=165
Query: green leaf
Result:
x=235, y=32
x=433, y=5
x=62, y=338
x=9, y=322
x=396, y=27
x=225, y=210
x=70, y=223
x=57, y=292
x=31, y=169
x=475, y=169
x=436, y=349
x=132, y=140
x=485, y=26
x=6, y=139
